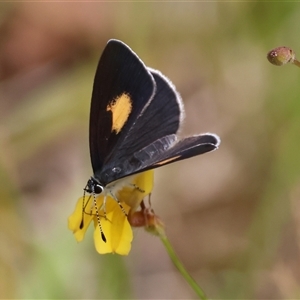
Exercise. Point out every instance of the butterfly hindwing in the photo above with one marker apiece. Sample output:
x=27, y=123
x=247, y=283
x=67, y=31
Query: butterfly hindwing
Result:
x=186, y=148
x=160, y=118
x=163, y=151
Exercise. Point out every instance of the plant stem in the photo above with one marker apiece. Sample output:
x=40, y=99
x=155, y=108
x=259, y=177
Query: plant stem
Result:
x=190, y=280
x=297, y=63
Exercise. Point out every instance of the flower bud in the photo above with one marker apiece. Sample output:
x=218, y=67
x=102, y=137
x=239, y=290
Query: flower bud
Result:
x=280, y=56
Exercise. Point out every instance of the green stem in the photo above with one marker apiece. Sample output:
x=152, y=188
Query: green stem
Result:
x=296, y=62
x=190, y=280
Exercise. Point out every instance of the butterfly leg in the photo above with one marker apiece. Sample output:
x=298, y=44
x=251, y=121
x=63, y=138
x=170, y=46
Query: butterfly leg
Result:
x=136, y=187
x=118, y=201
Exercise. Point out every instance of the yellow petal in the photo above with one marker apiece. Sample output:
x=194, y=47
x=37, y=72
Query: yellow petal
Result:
x=116, y=229
x=75, y=220
x=145, y=181
x=134, y=196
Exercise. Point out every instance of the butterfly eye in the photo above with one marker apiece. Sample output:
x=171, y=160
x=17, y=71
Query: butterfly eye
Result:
x=93, y=186
x=98, y=189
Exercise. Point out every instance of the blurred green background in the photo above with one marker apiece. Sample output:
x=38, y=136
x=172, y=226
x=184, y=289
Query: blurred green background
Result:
x=233, y=215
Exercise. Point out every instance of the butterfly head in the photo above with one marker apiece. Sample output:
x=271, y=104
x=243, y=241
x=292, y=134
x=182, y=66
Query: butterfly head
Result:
x=93, y=186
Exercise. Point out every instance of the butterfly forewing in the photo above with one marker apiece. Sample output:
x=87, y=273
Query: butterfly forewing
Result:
x=161, y=117
x=122, y=88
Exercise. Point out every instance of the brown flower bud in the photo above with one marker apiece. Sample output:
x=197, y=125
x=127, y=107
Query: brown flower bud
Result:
x=280, y=56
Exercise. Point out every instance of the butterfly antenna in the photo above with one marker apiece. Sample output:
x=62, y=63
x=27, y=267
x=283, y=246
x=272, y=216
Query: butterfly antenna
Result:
x=98, y=217
x=83, y=208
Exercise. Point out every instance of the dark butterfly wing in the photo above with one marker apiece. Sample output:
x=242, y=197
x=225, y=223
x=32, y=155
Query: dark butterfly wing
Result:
x=122, y=88
x=159, y=118
x=135, y=113
x=183, y=149
x=163, y=151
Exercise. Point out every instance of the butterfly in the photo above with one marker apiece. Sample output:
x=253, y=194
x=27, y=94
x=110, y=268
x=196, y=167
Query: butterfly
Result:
x=135, y=115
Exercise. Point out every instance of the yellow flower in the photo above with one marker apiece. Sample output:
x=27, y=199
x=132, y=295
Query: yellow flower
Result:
x=115, y=226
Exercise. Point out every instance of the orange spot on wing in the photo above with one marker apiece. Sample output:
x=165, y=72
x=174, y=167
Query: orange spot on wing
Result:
x=163, y=162
x=121, y=108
